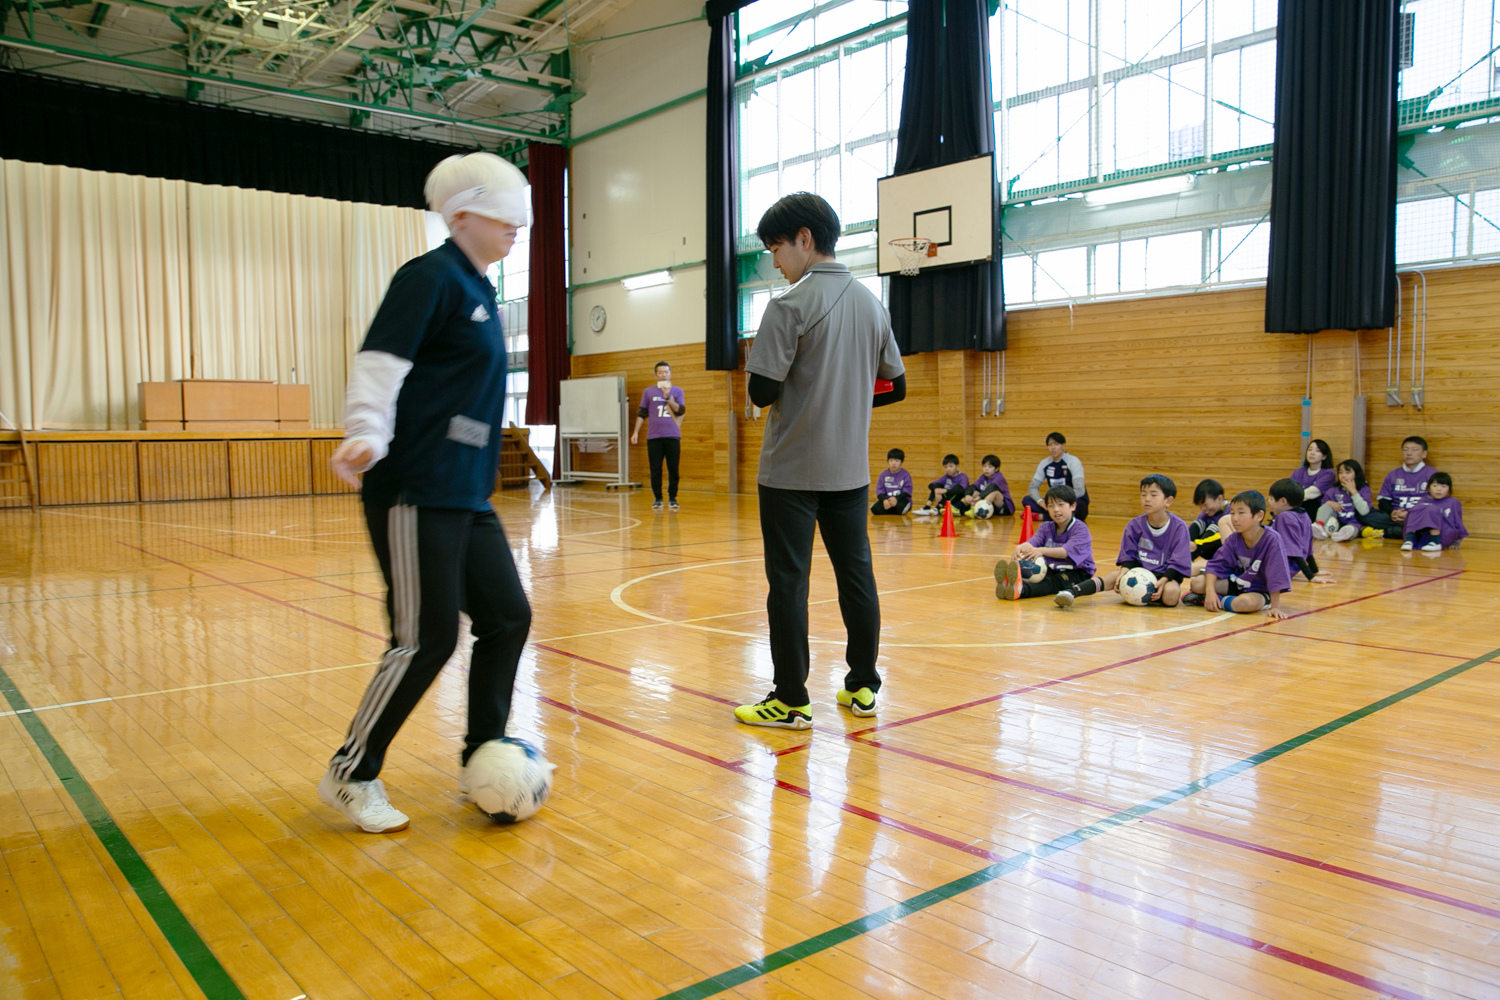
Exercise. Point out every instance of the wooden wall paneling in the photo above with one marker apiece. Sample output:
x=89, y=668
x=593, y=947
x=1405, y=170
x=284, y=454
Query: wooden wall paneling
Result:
x=85, y=472
x=184, y=470
x=269, y=468
x=321, y=479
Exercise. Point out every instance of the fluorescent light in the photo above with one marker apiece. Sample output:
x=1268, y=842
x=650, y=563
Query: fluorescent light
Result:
x=647, y=280
x=1145, y=189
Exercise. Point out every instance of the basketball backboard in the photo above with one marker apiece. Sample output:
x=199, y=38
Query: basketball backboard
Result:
x=953, y=206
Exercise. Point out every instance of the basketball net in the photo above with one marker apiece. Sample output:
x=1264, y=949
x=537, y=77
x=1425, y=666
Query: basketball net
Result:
x=912, y=251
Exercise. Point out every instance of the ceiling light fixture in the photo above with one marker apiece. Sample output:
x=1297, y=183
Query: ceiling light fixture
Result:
x=647, y=280
x=1145, y=189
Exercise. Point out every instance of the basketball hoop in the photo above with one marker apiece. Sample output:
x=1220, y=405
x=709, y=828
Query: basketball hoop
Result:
x=912, y=251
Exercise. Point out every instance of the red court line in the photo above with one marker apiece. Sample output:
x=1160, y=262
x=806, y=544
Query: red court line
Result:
x=1234, y=937
x=1145, y=656
x=268, y=597
x=879, y=818
x=1221, y=838
x=1366, y=645
x=629, y=671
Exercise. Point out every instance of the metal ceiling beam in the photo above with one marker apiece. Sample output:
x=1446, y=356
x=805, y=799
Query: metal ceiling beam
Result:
x=268, y=90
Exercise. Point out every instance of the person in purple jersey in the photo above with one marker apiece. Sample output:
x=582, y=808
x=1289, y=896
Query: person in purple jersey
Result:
x=662, y=406
x=991, y=486
x=1249, y=573
x=893, y=489
x=1158, y=541
x=1291, y=523
x=1343, y=506
x=1437, y=522
x=1400, y=491
x=1059, y=555
x=1315, y=475
x=947, y=488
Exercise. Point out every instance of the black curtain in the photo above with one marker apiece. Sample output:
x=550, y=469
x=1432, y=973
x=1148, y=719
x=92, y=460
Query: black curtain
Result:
x=1333, y=194
x=48, y=120
x=946, y=117
x=547, y=308
x=721, y=346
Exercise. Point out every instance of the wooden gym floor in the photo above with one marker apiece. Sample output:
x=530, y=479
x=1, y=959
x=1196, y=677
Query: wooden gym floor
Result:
x=1108, y=802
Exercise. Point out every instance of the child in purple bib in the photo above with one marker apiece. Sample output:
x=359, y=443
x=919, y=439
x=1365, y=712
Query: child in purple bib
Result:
x=1436, y=522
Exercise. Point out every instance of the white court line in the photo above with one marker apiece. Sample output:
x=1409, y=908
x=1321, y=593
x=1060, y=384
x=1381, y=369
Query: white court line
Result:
x=189, y=687
x=635, y=522
x=620, y=602
x=190, y=527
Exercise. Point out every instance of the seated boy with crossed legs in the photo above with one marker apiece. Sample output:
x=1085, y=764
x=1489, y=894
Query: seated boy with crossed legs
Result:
x=1249, y=573
x=1156, y=541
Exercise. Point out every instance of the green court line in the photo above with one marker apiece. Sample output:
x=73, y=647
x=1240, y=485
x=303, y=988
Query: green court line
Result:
x=175, y=927
x=872, y=921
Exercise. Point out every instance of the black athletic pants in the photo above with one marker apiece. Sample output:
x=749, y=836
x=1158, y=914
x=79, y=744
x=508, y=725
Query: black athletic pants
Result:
x=1383, y=522
x=669, y=448
x=903, y=504
x=1055, y=580
x=437, y=562
x=787, y=518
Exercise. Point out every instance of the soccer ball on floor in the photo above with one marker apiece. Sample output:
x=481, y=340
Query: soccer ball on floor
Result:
x=1137, y=586
x=1033, y=570
x=984, y=508
x=508, y=779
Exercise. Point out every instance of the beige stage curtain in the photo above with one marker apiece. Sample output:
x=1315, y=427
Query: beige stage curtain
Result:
x=108, y=280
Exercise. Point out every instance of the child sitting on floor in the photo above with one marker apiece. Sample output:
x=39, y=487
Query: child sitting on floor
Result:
x=1436, y=522
x=1291, y=523
x=1059, y=555
x=1343, y=506
x=991, y=486
x=1249, y=573
x=893, y=489
x=1156, y=541
x=947, y=488
x=1204, y=529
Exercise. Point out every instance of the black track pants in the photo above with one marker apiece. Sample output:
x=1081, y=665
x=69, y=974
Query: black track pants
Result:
x=437, y=562
x=669, y=448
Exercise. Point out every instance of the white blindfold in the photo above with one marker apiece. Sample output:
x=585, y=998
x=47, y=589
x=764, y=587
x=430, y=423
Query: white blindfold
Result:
x=513, y=207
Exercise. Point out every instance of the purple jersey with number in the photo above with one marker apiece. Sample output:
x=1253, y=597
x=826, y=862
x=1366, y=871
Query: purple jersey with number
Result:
x=946, y=483
x=1345, y=499
x=1263, y=569
x=1323, y=479
x=1295, y=529
x=890, y=483
x=1074, y=539
x=1158, y=550
x=1404, y=488
x=1445, y=516
x=659, y=420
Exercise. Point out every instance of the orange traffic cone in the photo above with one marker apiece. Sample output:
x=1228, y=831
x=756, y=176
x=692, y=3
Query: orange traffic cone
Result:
x=1027, y=525
x=947, y=529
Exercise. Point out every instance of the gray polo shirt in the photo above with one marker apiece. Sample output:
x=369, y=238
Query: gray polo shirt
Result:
x=827, y=338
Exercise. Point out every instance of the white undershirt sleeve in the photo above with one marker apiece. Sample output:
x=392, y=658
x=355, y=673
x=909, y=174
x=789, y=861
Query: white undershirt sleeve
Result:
x=1311, y=493
x=1360, y=506
x=370, y=400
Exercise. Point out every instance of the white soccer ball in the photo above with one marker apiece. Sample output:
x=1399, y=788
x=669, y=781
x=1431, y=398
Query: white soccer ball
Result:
x=1033, y=570
x=508, y=779
x=984, y=508
x=1137, y=586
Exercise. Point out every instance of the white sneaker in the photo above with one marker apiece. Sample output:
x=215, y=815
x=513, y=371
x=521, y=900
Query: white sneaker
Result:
x=1432, y=547
x=1319, y=532
x=1346, y=533
x=364, y=802
x=924, y=512
x=1406, y=546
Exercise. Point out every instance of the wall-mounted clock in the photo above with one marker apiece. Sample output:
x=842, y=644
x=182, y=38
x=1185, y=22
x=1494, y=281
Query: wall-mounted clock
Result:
x=597, y=318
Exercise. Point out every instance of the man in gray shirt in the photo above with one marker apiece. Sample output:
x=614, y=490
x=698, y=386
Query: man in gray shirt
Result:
x=820, y=348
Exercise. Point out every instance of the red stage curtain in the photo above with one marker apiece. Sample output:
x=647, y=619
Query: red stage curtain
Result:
x=548, y=307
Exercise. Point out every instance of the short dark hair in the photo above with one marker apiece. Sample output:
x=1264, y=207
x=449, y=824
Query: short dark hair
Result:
x=802, y=210
x=1251, y=499
x=1289, y=490
x=1056, y=436
x=990, y=460
x=1206, y=488
x=1359, y=473
x=1062, y=494
x=1323, y=447
x=1444, y=478
x=1419, y=440
x=1161, y=482
x=897, y=454
x=661, y=364
x=950, y=459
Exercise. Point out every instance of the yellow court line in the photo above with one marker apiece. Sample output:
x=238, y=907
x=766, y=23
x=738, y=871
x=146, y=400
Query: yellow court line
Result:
x=190, y=687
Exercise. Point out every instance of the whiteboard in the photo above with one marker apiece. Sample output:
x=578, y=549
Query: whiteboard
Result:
x=592, y=405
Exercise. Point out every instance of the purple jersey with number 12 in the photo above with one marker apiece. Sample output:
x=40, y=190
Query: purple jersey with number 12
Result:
x=659, y=420
x=1074, y=539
